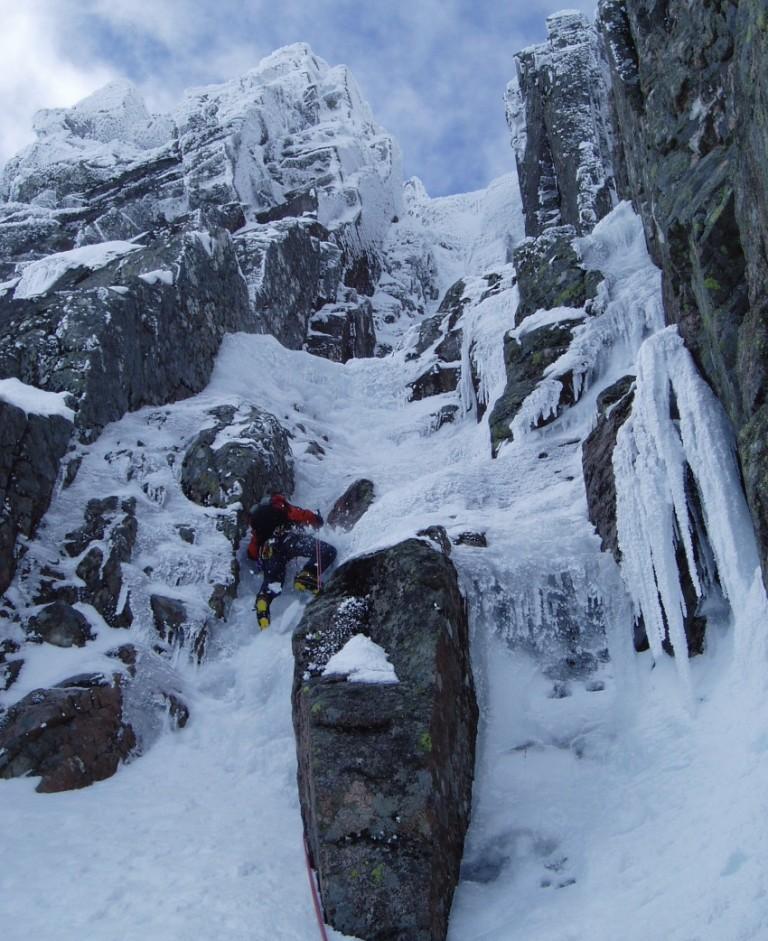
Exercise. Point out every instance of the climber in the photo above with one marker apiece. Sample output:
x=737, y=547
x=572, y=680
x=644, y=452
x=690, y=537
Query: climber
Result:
x=277, y=538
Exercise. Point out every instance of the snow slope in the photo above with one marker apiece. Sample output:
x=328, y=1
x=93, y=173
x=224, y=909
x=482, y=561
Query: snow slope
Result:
x=613, y=810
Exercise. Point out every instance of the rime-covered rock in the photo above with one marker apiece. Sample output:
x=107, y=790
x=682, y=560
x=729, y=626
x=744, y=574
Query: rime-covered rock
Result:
x=385, y=771
x=557, y=111
x=292, y=136
x=10, y=664
x=100, y=548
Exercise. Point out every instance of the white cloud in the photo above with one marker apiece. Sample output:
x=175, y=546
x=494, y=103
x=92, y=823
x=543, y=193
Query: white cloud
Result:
x=434, y=71
x=35, y=72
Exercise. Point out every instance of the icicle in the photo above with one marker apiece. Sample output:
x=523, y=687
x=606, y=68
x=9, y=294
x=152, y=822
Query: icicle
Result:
x=649, y=462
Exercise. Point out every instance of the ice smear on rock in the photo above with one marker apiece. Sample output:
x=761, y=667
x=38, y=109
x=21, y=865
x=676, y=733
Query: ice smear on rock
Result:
x=361, y=661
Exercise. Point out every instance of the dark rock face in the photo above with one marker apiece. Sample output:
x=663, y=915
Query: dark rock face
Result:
x=613, y=408
x=31, y=447
x=526, y=360
x=292, y=268
x=385, y=771
x=549, y=274
x=124, y=337
x=343, y=331
x=10, y=666
x=690, y=101
x=61, y=625
x=169, y=615
x=444, y=374
x=237, y=461
x=352, y=504
x=71, y=735
x=557, y=111
x=436, y=380
x=430, y=331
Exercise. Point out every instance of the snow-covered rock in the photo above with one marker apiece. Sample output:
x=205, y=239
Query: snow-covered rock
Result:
x=291, y=129
x=66, y=329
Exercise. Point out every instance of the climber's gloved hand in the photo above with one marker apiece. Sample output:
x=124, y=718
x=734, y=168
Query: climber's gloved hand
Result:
x=319, y=521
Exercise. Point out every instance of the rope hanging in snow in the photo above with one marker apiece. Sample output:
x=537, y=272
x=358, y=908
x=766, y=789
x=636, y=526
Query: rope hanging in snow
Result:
x=319, y=563
x=315, y=897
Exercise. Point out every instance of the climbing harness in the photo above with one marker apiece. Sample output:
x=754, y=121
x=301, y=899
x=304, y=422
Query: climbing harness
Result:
x=315, y=897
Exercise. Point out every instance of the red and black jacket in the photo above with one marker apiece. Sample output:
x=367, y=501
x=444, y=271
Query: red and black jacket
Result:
x=268, y=517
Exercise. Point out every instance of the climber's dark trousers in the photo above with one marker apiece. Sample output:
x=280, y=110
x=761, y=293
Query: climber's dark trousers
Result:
x=288, y=547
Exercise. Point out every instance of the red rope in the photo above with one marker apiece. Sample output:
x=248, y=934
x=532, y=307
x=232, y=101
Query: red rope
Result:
x=319, y=565
x=315, y=897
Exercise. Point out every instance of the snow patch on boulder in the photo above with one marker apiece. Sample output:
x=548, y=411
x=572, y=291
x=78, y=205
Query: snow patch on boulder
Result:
x=360, y=660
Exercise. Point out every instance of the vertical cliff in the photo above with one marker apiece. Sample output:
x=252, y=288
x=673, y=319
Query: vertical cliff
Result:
x=690, y=105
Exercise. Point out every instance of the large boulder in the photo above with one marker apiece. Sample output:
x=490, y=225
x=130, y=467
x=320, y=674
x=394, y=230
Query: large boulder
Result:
x=71, y=735
x=385, y=771
x=61, y=625
x=236, y=461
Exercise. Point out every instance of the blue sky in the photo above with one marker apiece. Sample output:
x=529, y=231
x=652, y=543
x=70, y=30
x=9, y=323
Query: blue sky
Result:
x=434, y=71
